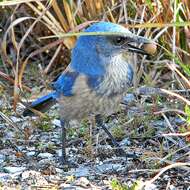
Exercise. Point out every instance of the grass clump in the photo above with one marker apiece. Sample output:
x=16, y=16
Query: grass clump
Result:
x=116, y=185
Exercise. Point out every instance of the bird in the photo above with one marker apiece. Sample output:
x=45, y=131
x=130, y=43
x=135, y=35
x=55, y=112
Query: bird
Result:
x=97, y=78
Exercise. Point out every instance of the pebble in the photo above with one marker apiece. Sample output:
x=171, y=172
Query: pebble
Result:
x=159, y=123
x=56, y=122
x=129, y=98
x=34, y=178
x=31, y=153
x=171, y=187
x=12, y=169
x=150, y=187
x=45, y=155
x=4, y=177
x=59, y=152
x=2, y=126
x=81, y=171
x=2, y=158
x=29, y=173
x=83, y=182
x=125, y=142
x=16, y=119
x=109, y=167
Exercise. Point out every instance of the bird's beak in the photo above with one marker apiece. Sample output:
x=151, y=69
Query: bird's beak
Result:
x=145, y=45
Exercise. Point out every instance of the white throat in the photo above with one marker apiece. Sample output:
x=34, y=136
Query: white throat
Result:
x=118, y=77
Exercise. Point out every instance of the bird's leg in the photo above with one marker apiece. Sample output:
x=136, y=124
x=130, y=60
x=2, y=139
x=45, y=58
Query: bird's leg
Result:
x=66, y=164
x=101, y=124
x=63, y=139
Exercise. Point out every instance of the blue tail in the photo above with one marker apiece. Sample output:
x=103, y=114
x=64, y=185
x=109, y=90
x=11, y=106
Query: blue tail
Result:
x=42, y=104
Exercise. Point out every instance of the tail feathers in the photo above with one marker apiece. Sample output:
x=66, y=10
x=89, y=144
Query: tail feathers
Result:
x=42, y=104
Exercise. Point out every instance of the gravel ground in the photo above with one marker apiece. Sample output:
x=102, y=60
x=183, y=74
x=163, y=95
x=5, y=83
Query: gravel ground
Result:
x=30, y=151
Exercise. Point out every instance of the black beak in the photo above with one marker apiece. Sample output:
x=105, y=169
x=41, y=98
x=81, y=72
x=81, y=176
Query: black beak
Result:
x=133, y=41
x=135, y=49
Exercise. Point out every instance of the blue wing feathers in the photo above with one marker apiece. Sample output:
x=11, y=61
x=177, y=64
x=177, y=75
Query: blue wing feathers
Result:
x=41, y=104
x=65, y=83
x=43, y=99
x=63, y=86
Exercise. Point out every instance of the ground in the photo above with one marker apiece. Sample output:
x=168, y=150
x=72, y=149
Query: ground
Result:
x=31, y=148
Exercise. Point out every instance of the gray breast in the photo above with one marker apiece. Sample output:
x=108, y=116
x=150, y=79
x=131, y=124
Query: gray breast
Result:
x=86, y=101
x=103, y=99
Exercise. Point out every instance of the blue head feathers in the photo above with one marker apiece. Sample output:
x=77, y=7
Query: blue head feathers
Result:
x=89, y=47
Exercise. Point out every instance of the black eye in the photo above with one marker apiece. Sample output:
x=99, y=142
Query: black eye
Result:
x=119, y=40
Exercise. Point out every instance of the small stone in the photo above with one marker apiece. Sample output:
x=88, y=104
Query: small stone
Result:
x=33, y=177
x=58, y=170
x=2, y=158
x=159, y=124
x=4, y=177
x=12, y=169
x=59, y=152
x=15, y=119
x=150, y=187
x=56, y=122
x=31, y=153
x=129, y=98
x=83, y=182
x=45, y=155
x=81, y=171
x=29, y=173
x=172, y=187
x=2, y=126
x=125, y=142
x=109, y=167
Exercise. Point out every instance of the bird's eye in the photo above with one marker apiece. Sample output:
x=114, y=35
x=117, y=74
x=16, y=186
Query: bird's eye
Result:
x=119, y=40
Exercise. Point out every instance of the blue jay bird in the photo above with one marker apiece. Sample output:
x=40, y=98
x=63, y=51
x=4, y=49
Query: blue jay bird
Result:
x=97, y=78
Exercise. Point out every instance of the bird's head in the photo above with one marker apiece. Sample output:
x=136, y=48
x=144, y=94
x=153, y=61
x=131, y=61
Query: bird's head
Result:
x=109, y=40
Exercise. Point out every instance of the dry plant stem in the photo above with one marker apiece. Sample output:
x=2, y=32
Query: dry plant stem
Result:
x=160, y=91
x=177, y=134
x=144, y=170
x=174, y=32
x=173, y=152
x=60, y=16
x=22, y=41
x=168, y=184
x=147, y=183
x=157, y=25
x=10, y=122
x=168, y=122
x=52, y=21
x=52, y=59
x=82, y=26
x=170, y=110
x=91, y=140
x=176, y=95
x=8, y=78
x=173, y=68
x=10, y=3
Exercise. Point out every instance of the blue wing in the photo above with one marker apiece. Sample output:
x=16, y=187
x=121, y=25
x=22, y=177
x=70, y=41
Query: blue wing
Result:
x=65, y=83
x=63, y=86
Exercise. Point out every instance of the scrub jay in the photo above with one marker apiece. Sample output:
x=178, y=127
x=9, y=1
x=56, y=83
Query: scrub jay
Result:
x=97, y=78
